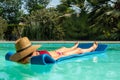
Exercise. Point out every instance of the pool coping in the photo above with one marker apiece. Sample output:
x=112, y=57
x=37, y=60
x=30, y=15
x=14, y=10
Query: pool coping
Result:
x=64, y=41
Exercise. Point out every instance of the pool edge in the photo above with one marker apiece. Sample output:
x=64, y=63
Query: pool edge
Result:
x=64, y=41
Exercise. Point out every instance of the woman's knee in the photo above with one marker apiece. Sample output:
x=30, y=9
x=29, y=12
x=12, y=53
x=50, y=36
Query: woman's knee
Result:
x=63, y=48
x=79, y=50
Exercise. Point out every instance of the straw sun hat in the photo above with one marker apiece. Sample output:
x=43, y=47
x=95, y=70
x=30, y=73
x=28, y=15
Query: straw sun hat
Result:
x=23, y=48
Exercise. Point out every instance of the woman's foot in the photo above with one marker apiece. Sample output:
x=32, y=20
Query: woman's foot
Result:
x=95, y=45
x=92, y=48
x=76, y=45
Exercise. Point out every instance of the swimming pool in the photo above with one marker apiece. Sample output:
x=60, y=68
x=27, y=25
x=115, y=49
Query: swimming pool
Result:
x=104, y=66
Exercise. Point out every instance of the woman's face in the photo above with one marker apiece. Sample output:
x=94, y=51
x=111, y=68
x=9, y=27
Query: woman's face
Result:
x=35, y=53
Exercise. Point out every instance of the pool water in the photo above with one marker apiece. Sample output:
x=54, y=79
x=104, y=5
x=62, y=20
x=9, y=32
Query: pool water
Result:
x=103, y=66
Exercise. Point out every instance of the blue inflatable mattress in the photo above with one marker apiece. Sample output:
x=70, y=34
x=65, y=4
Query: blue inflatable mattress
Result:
x=47, y=59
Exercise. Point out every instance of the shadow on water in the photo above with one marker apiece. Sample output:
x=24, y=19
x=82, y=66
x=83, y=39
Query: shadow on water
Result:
x=41, y=68
x=94, y=58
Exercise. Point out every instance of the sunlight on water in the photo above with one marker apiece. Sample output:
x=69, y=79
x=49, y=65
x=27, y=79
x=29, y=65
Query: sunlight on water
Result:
x=104, y=66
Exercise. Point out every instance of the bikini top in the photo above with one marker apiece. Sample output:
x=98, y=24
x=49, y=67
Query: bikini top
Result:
x=43, y=52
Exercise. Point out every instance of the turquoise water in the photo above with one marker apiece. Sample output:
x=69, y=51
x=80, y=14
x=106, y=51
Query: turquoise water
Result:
x=104, y=66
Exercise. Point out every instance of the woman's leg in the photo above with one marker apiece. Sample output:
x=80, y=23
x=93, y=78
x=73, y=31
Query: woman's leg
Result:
x=59, y=52
x=92, y=48
x=79, y=50
x=64, y=49
x=75, y=51
x=67, y=52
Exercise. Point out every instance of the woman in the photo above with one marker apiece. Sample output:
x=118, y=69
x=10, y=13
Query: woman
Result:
x=25, y=50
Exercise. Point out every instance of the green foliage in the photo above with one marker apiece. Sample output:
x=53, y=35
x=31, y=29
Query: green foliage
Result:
x=10, y=10
x=43, y=25
x=97, y=2
x=33, y=5
x=1, y=10
x=3, y=27
x=62, y=8
x=106, y=22
x=76, y=28
x=101, y=23
x=68, y=3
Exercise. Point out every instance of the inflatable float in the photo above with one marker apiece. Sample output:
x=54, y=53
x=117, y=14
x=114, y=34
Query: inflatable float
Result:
x=47, y=59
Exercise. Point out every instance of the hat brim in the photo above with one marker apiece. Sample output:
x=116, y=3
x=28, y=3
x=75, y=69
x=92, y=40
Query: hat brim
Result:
x=20, y=55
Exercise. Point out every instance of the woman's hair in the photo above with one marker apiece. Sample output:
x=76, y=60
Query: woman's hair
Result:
x=25, y=60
